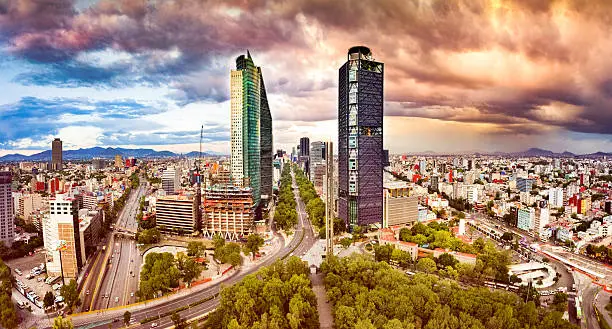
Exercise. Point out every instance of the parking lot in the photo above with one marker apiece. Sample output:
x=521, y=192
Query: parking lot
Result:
x=31, y=284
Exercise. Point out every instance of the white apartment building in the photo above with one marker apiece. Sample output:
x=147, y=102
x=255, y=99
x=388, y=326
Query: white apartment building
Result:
x=7, y=227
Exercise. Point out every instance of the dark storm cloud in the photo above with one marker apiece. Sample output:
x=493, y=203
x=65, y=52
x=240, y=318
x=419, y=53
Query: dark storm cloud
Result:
x=535, y=62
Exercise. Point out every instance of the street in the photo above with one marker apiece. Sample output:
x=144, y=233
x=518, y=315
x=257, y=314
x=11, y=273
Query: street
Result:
x=302, y=242
x=110, y=276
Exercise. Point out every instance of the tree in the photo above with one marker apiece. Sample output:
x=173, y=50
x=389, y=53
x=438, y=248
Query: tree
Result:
x=446, y=259
x=127, y=316
x=346, y=242
x=176, y=319
x=382, y=253
x=253, y=243
x=426, y=265
x=70, y=294
x=196, y=249
x=189, y=268
x=62, y=323
x=507, y=236
x=49, y=299
x=402, y=258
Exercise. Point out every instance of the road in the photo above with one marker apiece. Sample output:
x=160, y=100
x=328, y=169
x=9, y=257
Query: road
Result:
x=110, y=276
x=302, y=242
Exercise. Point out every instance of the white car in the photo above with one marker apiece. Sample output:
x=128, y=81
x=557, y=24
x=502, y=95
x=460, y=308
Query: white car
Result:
x=154, y=325
x=131, y=294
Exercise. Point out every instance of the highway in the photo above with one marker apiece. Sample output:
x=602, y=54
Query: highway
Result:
x=110, y=276
x=302, y=241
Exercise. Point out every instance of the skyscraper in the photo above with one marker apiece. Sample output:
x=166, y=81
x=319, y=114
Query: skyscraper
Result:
x=7, y=228
x=245, y=127
x=56, y=154
x=304, y=156
x=360, y=139
x=61, y=235
x=265, y=140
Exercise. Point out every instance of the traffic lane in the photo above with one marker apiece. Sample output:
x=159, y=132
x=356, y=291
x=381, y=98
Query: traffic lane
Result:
x=91, y=281
x=587, y=304
x=205, y=293
x=106, y=286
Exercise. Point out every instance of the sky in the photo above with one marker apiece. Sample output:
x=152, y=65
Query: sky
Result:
x=460, y=75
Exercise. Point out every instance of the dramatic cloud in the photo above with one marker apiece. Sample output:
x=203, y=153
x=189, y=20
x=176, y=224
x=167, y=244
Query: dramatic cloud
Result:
x=525, y=68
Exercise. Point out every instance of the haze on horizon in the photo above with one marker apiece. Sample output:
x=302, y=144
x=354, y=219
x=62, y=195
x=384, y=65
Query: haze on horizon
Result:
x=461, y=75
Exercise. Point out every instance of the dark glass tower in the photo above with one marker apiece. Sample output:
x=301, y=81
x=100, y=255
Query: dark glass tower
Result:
x=360, y=139
x=265, y=120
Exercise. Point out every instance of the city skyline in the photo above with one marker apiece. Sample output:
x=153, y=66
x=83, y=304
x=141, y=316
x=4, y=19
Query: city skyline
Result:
x=100, y=74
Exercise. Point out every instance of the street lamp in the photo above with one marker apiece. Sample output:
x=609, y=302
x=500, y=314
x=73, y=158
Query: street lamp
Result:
x=61, y=246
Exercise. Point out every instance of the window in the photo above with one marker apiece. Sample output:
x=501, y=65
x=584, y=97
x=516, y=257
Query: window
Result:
x=352, y=75
x=352, y=164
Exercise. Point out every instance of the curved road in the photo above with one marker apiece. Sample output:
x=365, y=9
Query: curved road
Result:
x=301, y=243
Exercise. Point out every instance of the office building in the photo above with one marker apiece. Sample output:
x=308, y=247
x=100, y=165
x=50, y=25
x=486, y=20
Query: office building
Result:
x=526, y=219
x=608, y=206
x=435, y=180
x=265, y=141
x=245, y=132
x=171, y=180
x=317, y=159
x=228, y=211
x=98, y=163
x=61, y=237
x=7, y=226
x=90, y=227
x=304, y=155
x=176, y=214
x=524, y=184
x=118, y=161
x=400, y=208
x=28, y=203
x=56, y=155
x=360, y=139
x=555, y=197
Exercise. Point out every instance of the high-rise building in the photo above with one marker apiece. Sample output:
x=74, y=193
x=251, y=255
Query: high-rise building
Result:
x=228, y=211
x=400, y=208
x=524, y=184
x=176, y=214
x=245, y=129
x=304, y=156
x=118, y=161
x=360, y=139
x=61, y=237
x=304, y=146
x=317, y=157
x=555, y=197
x=7, y=227
x=56, y=154
x=170, y=180
x=265, y=141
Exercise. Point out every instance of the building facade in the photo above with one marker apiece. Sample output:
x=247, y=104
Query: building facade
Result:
x=400, y=208
x=170, y=180
x=265, y=141
x=245, y=128
x=360, y=139
x=56, y=155
x=228, y=211
x=7, y=213
x=176, y=214
x=61, y=237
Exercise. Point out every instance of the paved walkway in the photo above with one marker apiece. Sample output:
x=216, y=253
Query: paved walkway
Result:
x=601, y=300
x=326, y=319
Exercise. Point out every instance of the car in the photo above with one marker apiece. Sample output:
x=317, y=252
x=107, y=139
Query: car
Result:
x=154, y=325
x=131, y=294
x=87, y=293
x=116, y=299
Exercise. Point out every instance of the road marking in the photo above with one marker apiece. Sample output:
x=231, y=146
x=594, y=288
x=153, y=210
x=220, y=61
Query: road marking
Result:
x=125, y=288
x=101, y=274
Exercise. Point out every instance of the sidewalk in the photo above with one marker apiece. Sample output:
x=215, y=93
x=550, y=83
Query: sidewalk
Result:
x=326, y=319
x=601, y=300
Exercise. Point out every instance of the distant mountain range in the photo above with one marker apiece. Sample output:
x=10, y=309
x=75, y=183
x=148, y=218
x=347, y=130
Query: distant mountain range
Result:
x=104, y=153
x=532, y=152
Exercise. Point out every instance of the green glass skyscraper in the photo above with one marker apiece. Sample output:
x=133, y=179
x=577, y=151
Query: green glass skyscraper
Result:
x=247, y=95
